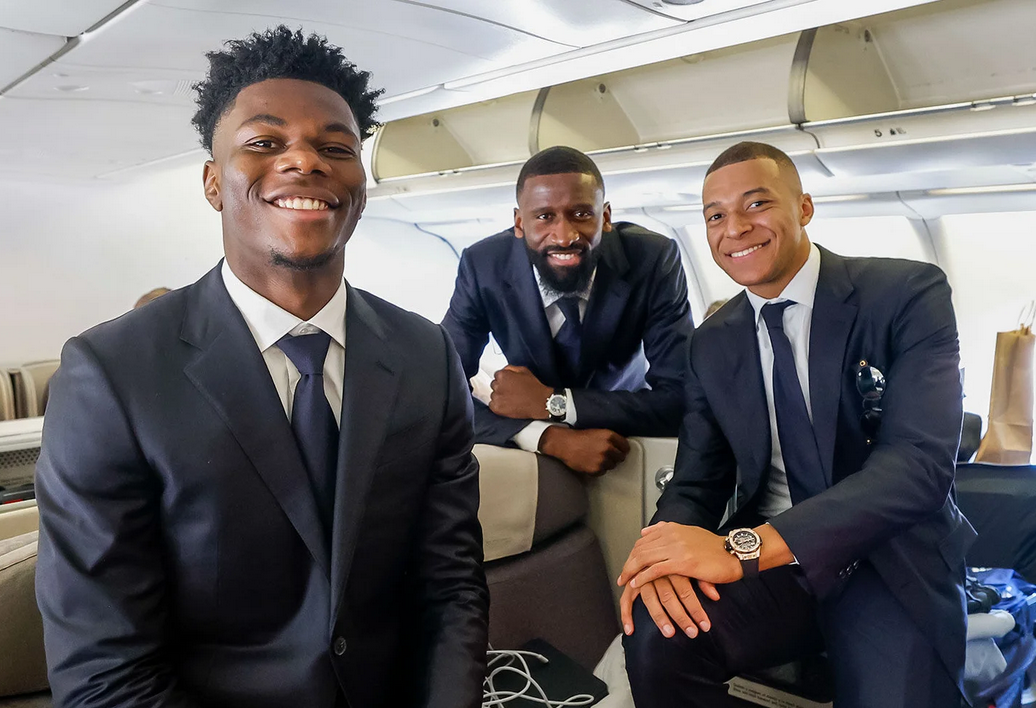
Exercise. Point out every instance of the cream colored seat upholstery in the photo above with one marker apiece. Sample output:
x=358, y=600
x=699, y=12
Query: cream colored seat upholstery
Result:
x=30, y=387
x=23, y=669
x=7, y=411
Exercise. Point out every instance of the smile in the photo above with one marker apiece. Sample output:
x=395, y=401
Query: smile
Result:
x=302, y=203
x=742, y=254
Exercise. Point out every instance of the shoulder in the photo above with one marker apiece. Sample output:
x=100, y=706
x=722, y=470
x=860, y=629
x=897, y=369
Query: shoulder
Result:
x=495, y=247
x=636, y=240
x=889, y=278
x=405, y=330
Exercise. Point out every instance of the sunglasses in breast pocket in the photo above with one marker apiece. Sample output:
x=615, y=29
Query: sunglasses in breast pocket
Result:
x=870, y=383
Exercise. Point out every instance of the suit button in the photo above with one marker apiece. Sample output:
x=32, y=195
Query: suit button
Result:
x=339, y=646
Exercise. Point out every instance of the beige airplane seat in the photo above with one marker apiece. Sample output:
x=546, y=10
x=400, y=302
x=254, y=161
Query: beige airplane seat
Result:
x=30, y=387
x=7, y=411
x=544, y=566
x=23, y=669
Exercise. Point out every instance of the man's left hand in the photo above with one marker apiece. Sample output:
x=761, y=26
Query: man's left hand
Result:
x=668, y=548
x=517, y=393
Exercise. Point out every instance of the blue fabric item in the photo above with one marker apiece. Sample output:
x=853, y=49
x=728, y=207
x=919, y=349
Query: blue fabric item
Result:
x=312, y=419
x=1017, y=596
x=798, y=440
x=569, y=339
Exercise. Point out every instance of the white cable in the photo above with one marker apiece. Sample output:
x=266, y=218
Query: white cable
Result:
x=502, y=662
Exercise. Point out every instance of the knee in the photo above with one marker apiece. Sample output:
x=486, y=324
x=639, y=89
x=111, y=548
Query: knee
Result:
x=645, y=648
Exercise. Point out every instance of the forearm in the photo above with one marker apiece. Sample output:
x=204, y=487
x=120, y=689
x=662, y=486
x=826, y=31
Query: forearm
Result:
x=646, y=413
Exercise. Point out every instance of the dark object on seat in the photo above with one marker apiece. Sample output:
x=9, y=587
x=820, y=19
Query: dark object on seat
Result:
x=560, y=678
x=809, y=678
x=558, y=591
x=35, y=700
x=981, y=598
x=970, y=437
x=561, y=500
x=1000, y=502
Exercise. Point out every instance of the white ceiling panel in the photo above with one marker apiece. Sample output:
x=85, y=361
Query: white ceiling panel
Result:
x=88, y=138
x=21, y=51
x=577, y=23
x=59, y=17
x=406, y=47
x=71, y=82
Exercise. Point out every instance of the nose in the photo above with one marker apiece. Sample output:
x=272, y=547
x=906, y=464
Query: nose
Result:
x=737, y=226
x=565, y=234
x=302, y=158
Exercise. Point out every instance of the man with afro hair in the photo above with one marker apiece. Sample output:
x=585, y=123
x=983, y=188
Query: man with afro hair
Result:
x=259, y=490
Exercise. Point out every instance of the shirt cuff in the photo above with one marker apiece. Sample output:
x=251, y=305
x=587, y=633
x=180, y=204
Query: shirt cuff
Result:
x=570, y=408
x=528, y=438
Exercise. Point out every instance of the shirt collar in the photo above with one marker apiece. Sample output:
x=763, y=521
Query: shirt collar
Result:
x=550, y=296
x=268, y=323
x=802, y=289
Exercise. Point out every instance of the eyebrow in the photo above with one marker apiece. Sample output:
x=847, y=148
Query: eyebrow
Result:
x=265, y=118
x=270, y=119
x=750, y=192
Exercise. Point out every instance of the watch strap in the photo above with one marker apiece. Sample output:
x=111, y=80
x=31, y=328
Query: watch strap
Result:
x=750, y=567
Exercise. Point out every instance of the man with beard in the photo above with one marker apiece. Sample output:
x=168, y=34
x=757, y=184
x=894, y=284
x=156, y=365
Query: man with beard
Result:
x=592, y=316
x=259, y=490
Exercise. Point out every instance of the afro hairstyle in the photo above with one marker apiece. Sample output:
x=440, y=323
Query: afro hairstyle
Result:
x=280, y=53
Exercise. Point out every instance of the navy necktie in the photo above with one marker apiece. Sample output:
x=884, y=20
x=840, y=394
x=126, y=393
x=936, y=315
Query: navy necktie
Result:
x=312, y=419
x=569, y=340
x=794, y=428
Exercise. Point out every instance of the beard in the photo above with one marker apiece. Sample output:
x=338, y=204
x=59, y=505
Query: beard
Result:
x=302, y=265
x=564, y=280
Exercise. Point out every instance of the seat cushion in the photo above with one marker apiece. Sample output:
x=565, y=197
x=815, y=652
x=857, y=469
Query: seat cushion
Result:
x=23, y=668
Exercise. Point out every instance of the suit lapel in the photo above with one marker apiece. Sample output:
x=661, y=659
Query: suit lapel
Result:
x=531, y=326
x=832, y=322
x=608, y=300
x=232, y=375
x=745, y=386
x=368, y=397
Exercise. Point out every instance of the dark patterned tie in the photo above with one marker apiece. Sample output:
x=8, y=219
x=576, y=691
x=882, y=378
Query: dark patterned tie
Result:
x=798, y=441
x=312, y=419
x=569, y=341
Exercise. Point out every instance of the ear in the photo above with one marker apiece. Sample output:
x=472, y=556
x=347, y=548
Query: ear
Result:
x=806, y=208
x=519, y=232
x=607, y=217
x=210, y=180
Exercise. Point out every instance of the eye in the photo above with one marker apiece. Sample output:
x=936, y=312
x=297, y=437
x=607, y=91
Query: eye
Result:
x=338, y=151
x=262, y=144
x=584, y=215
x=713, y=218
x=545, y=217
x=758, y=203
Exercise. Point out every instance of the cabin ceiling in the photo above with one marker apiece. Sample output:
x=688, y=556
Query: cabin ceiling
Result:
x=101, y=88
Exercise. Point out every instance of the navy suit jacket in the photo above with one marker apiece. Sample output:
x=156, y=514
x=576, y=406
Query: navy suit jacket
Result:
x=181, y=557
x=638, y=317
x=889, y=502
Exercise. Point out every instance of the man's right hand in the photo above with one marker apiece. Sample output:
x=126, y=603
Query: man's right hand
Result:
x=588, y=451
x=672, y=603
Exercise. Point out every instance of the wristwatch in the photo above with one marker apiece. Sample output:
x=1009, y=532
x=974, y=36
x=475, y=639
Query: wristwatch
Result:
x=557, y=406
x=745, y=544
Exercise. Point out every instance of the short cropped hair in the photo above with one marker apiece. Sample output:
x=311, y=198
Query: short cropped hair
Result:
x=558, y=160
x=280, y=53
x=745, y=151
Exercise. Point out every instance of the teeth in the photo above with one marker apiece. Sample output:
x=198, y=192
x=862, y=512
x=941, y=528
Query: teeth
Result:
x=740, y=254
x=563, y=256
x=305, y=204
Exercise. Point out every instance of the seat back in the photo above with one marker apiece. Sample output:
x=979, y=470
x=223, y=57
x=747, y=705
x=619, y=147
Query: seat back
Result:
x=7, y=411
x=30, y=387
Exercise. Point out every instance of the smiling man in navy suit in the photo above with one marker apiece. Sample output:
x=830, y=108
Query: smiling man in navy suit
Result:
x=258, y=490
x=592, y=316
x=812, y=505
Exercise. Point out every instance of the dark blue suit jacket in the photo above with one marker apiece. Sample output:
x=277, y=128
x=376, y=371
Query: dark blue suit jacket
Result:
x=181, y=557
x=889, y=502
x=638, y=317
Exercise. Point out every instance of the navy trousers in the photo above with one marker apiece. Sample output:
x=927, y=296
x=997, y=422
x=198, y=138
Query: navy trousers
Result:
x=879, y=657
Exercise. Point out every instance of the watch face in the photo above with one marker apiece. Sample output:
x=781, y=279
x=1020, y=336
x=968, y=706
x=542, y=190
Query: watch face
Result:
x=744, y=541
x=557, y=405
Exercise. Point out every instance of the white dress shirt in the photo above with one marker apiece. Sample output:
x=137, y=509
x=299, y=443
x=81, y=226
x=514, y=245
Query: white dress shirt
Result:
x=268, y=323
x=528, y=438
x=802, y=291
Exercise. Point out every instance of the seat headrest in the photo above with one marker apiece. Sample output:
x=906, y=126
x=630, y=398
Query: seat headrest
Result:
x=970, y=437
